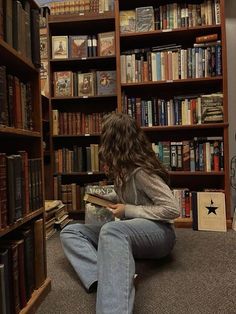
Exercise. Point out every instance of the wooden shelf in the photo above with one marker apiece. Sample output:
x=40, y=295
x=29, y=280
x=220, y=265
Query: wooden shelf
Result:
x=98, y=58
x=76, y=135
x=37, y=298
x=88, y=173
x=164, y=128
x=83, y=97
x=22, y=221
x=16, y=62
x=197, y=173
x=89, y=16
x=10, y=131
x=203, y=80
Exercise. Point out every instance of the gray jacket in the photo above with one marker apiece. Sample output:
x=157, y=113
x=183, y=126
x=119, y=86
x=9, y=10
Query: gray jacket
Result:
x=146, y=196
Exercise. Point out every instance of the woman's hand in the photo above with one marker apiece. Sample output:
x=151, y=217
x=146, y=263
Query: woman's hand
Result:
x=118, y=210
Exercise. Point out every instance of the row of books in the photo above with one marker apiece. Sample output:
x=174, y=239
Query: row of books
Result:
x=22, y=268
x=171, y=63
x=19, y=27
x=180, y=110
x=78, y=159
x=68, y=83
x=81, y=46
x=170, y=16
x=206, y=208
x=16, y=99
x=56, y=217
x=81, y=6
x=198, y=154
x=20, y=186
x=76, y=123
x=72, y=195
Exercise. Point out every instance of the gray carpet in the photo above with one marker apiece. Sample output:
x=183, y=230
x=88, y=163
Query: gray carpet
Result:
x=199, y=277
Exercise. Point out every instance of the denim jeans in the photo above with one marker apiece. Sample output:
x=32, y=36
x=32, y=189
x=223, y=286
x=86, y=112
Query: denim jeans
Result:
x=107, y=254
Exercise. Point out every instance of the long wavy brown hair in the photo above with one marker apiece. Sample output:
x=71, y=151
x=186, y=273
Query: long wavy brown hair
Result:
x=124, y=147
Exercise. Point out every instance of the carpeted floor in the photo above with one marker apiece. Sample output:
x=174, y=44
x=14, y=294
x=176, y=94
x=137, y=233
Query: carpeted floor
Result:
x=199, y=277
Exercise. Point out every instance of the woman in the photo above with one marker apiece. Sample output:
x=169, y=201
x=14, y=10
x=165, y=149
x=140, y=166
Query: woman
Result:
x=144, y=203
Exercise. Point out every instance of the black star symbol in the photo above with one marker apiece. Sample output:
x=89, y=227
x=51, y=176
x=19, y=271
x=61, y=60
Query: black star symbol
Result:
x=211, y=209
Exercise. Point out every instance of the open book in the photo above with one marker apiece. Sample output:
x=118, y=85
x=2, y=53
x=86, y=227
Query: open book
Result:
x=96, y=199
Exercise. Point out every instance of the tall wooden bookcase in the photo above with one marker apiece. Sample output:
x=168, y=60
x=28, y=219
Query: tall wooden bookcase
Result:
x=89, y=23
x=184, y=36
x=22, y=236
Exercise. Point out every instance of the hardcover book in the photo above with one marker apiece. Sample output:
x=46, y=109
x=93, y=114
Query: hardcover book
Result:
x=127, y=21
x=78, y=46
x=59, y=47
x=211, y=211
x=144, y=19
x=43, y=47
x=96, y=199
x=106, y=82
x=63, y=83
x=106, y=44
x=86, y=82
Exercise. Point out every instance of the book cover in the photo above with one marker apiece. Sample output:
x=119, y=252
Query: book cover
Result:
x=212, y=108
x=3, y=309
x=59, y=47
x=144, y=19
x=211, y=211
x=86, y=84
x=63, y=84
x=43, y=47
x=78, y=46
x=127, y=21
x=96, y=199
x=106, y=82
x=39, y=253
x=106, y=44
x=5, y=261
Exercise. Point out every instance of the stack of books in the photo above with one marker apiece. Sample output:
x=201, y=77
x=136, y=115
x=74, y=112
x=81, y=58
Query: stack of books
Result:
x=56, y=216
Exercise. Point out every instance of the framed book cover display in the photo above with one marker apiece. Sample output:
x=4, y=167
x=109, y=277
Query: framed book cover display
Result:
x=211, y=211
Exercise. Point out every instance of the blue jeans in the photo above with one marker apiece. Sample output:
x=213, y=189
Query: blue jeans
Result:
x=106, y=254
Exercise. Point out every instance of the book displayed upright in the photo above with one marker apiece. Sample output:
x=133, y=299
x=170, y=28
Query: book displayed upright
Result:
x=106, y=44
x=63, y=84
x=106, y=82
x=59, y=47
x=78, y=46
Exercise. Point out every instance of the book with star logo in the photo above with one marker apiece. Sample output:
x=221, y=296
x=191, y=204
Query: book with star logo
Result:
x=211, y=213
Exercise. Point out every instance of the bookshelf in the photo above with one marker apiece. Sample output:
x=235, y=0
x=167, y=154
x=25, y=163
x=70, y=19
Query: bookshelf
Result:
x=176, y=25
x=22, y=236
x=76, y=115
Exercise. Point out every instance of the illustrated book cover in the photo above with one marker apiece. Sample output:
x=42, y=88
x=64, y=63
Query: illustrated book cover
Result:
x=127, y=21
x=63, y=84
x=211, y=214
x=96, y=211
x=86, y=82
x=144, y=19
x=59, y=47
x=78, y=46
x=106, y=82
x=106, y=44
